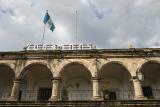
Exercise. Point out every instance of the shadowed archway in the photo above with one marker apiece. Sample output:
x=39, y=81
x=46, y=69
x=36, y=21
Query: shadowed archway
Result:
x=76, y=82
x=36, y=83
x=151, y=83
x=115, y=82
x=7, y=77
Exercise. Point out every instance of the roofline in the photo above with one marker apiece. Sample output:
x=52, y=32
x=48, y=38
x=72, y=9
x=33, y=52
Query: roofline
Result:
x=92, y=53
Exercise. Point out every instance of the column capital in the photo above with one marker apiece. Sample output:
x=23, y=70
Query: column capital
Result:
x=135, y=79
x=56, y=78
x=17, y=80
x=95, y=78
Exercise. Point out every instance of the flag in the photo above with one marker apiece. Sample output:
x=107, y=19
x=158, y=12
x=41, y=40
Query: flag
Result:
x=47, y=20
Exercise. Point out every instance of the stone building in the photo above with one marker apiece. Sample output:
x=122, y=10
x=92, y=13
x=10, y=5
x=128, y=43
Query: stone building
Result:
x=95, y=74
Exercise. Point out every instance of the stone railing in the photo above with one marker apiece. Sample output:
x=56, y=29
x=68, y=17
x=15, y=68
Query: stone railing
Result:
x=79, y=95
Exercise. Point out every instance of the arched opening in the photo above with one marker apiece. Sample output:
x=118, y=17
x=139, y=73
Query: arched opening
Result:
x=36, y=83
x=151, y=83
x=76, y=82
x=115, y=82
x=6, y=81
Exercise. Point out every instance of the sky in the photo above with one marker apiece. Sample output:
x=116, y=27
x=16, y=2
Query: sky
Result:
x=104, y=23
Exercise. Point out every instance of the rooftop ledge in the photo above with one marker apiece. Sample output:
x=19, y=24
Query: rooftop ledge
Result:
x=78, y=50
x=88, y=53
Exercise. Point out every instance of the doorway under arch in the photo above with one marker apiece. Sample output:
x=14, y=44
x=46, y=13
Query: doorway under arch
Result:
x=36, y=83
x=115, y=82
x=151, y=83
x=76, y=82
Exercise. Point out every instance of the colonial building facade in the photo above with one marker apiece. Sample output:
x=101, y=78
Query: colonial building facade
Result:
x=95, y=74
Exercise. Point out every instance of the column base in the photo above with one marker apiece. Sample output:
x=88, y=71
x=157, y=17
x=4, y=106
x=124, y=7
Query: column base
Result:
x=140, y=98
x=54, y=99
x=11, y=99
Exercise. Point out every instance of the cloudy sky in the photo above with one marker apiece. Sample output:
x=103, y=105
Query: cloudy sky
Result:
x=105, y=23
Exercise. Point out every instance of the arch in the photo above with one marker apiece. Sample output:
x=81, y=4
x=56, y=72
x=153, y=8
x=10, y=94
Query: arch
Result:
x=28, y=66
x=76, y=80
x=150, y=69
x=33, y=78
x=8, y=66
x=7, y=76
x=147, y=62
x=113, y=62
x=115, y=78
x=66, y=64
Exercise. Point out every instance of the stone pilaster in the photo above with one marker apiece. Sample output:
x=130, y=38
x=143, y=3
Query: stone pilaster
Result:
x=96, y=89
x=55, y=89
x=15, y=91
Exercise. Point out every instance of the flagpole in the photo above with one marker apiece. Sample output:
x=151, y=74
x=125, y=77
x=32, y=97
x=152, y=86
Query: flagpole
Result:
x=76, y=28
x=44, y=30
x=43, y=33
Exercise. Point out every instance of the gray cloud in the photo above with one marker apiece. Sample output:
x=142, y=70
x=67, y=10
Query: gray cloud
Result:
x=6, y=10
x=98, y=14
x=106, y=23
x=33, y=4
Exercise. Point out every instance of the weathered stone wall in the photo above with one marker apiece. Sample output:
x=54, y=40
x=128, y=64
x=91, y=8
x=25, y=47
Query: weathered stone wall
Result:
x=93, y=60
x=131, y=59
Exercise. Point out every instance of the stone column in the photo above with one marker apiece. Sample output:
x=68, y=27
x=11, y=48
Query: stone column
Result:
x=55, y=89
x=138, y=89
x=96, y=89
x=15, y=91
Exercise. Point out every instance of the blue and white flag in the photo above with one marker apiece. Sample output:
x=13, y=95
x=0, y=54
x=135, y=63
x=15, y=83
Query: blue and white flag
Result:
x=48, y=21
